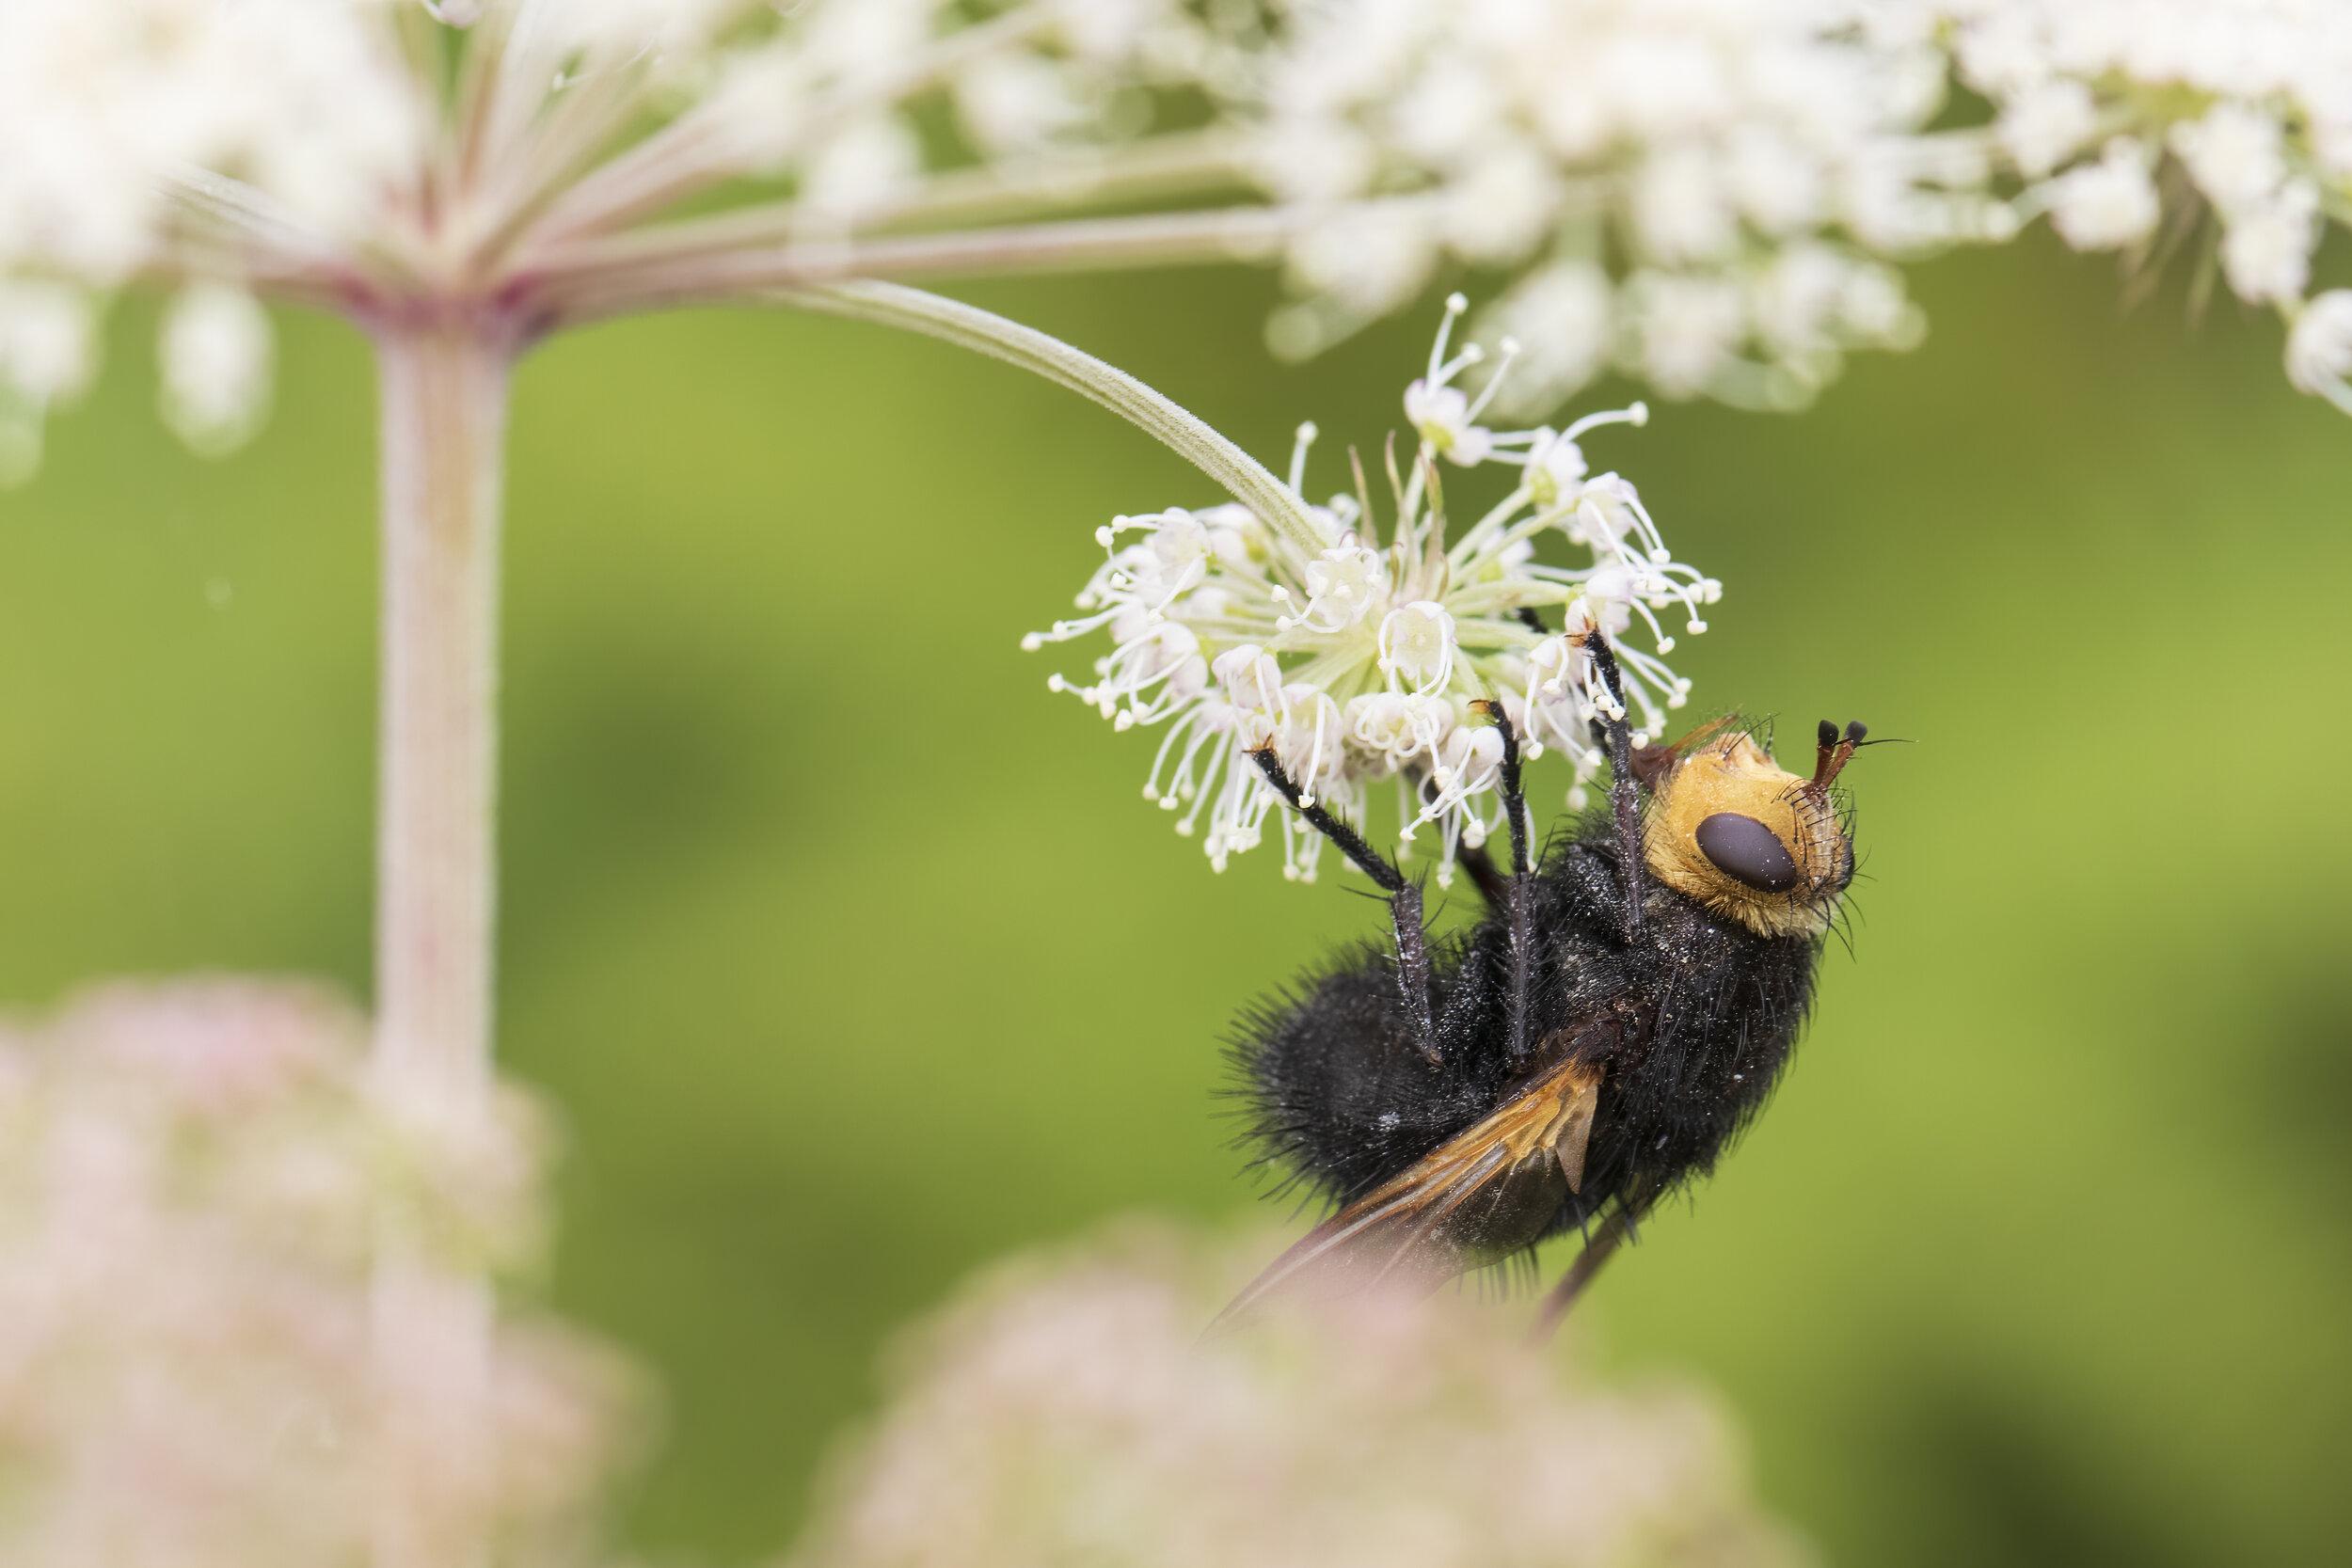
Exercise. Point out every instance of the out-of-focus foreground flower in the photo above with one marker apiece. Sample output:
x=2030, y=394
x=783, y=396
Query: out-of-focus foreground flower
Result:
x=1360, y=661
x=1068, y=1412
x=189, y=1178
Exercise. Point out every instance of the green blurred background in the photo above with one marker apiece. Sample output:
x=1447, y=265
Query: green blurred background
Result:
x=855, y=958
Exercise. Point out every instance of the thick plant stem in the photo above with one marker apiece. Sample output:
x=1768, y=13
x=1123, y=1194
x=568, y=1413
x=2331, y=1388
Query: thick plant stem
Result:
x=444, y=390
x=444, y=425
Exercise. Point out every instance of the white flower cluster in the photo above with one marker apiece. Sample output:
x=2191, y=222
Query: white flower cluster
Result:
x=1362, y=659
x=104, y=102
x=2250, y=101
x=1066, y=1411
x=323, y=150
x=1703, y=194
x=190, y=1180
x=1692, y=189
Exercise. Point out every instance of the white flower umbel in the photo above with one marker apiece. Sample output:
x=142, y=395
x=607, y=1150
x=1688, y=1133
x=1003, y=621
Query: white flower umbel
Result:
x=1355, y=649
x=1643, y=167
x=2248, y=101
x=519, y=165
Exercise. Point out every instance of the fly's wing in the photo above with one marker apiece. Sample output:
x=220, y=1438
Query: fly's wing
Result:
x=1413, y=1229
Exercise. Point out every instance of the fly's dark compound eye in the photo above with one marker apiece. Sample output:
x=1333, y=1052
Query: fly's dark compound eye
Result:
x=1747, y=851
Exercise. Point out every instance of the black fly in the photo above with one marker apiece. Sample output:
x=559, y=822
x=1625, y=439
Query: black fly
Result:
x=1595, y=1041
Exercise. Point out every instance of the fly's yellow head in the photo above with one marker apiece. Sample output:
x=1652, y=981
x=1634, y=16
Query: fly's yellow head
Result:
x=1732, y=830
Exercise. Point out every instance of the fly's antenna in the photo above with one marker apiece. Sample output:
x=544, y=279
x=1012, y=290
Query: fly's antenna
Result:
x=1834, y=751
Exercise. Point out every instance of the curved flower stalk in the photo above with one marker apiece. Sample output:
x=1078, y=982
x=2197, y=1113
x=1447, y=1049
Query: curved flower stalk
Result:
x=1066, y=1411
x=1358, y=654
x=2129, y=122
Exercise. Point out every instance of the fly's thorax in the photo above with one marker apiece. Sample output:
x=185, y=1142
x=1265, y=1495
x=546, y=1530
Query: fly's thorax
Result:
x=1734, y=833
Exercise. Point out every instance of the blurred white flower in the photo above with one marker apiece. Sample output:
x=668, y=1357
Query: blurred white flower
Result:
x=2042, y=125
x=2105, y=205
x=46, y=348
x=1560, y=316
x=318, y=151
x=1807, y=302
x=1680, y=208
x=1014, y=104
x=1691, y=140
x=103, y=102
x=1648, y=167
x=45, y=338
x=1066, y=1411
x=2266, y=253
x=2236, y=153
x=2319, y=349
x=1689, y=328
x=190, y=1179
x=2253, y=96
x=216, y=354
x=1358, y=661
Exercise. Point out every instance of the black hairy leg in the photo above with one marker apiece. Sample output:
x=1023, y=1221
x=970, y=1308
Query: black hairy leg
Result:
x=1518, y=903
x=1625, y=789
x=1412, y=937
x=1581, y=1273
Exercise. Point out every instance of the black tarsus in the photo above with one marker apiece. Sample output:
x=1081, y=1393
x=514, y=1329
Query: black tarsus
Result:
x=1518, y=891
x=1604, y=1240
x=1533, y=621
x=1513, y=796
x=1369, y=860
x=1412, y=943
x=1624, y=790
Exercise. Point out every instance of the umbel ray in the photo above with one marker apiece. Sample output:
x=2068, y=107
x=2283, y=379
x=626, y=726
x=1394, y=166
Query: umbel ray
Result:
x=1590, y=1046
